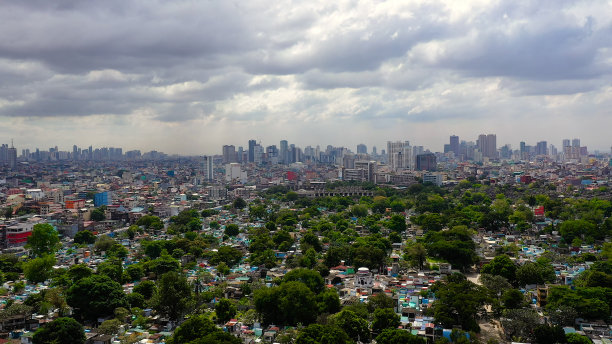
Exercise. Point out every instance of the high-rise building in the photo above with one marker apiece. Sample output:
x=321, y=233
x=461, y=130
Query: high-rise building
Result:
x=252, y=144
x=373, y=150
x=362, y=149
x=454, y=145
x=229, y=154
x=576, y=143
x=208, y=168
x=487, y=145
x=399, y=155
x=566, y=143
x=426, y=162
x=283, y=153
x=12, y=157
x=3, y=154
x=541, y=148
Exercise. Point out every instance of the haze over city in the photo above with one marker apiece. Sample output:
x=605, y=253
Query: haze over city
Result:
x=187, y=77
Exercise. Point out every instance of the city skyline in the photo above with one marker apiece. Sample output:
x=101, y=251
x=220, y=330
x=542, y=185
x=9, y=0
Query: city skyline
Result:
x=483, y=143
x=187, y=78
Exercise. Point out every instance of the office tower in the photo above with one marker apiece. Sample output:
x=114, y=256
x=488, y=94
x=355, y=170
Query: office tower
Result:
x=252, y=144
x=208, y=168
x=454, y=145
x=506, y=152
x=426, y=162
x=399, y=155
x=240, y=155
x=487, y=145
x=229, y=154
x=566, y=143
x=373, y=150
x=284, y=145
x=12, y=157
x=576, y=143
x=541, y=148
x=362, y=149
x=258, y=154
x=3, y=154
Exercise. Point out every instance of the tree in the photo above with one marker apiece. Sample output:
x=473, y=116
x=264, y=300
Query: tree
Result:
x=111, y=268
x=322, y=334
x=575, y=338
x=44, y=240
x=385, y=318
x=512, y=299
x=519, y=322
x=104, y=243
x=328, y=301
x=38, y=270
x=417, y=254
x=60, y=331
x=502, y=266
x=544, y=334
x=455, y=246
x=278, y=304
x=358, y=210
x=572, y=229
x=228, y=255
x=225, y=310
x=232, y=230
x=458, y=302
x=84, y=237
x=311, y=278
x=173, y=295
x=146, y=289
x=379, y=301
x=355, y=326
x=239, y=203
x=199, y=329
x=98, y=215
x=397, y=223
x=136, y=300
x=396, y=336
x=96, y=296
x=311, y=240
x=535, y=273
x=110, y=326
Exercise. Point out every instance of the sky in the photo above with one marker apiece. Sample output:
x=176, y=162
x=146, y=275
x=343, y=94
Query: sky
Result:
x=190, y=76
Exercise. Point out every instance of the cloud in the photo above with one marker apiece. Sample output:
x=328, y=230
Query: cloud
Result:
x=369, y=67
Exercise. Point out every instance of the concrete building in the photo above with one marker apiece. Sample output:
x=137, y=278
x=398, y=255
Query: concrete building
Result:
x=399, y=155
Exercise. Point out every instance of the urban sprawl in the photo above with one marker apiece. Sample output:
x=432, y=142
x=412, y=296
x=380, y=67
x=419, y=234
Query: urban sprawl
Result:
x=283, y=244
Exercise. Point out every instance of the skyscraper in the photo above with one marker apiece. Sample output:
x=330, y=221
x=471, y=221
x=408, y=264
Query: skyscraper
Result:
x=399, y=154
x=454, y=145
x=284, y=145
x=541, y=148
x=208, y=168
x=576, y=143
x=426, y=162
x=229, y=154
x=566, y=143
x=12, y=157
x=487, y=145
x=362, y=149
x=252, y=144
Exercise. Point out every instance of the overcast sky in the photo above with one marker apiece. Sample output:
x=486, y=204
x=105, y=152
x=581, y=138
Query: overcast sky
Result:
x=189, y=76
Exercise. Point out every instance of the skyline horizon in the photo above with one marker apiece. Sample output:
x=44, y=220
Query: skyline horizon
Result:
x=353, y=147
